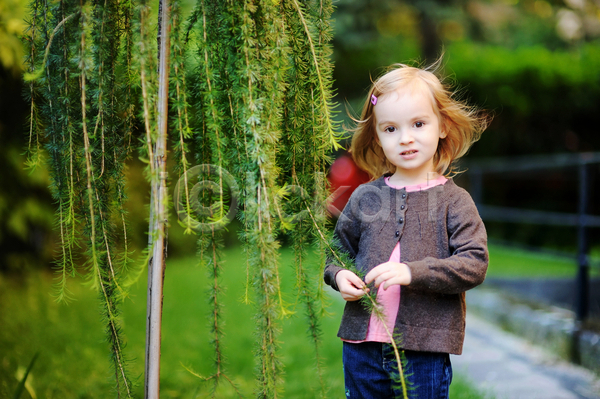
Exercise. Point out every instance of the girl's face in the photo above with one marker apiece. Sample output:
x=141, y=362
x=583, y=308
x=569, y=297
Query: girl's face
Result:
x=408, y=131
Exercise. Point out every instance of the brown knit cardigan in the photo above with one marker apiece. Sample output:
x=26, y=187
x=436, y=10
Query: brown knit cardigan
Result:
x=442, y=240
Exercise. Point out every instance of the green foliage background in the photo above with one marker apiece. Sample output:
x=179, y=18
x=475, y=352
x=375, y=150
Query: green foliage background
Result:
x=512, y=58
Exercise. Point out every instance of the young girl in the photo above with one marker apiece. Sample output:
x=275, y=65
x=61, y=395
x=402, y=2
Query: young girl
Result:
x=416, y=235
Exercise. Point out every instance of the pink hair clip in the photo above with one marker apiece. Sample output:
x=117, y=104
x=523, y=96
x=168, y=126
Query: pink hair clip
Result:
x=373, y=99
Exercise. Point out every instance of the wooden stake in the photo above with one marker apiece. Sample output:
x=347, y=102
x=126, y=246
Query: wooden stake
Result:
x=158, y=219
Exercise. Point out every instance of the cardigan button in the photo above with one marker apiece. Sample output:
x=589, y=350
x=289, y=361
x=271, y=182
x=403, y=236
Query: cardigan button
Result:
x=403, y=195
x=401, y=220
x=402, y=207
x=397, y=233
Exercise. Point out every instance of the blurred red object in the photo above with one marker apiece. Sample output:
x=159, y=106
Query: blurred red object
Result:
x=344, y=177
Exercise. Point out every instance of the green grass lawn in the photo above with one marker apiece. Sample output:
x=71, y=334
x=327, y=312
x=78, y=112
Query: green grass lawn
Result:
x=74, y=359
x=509, y=262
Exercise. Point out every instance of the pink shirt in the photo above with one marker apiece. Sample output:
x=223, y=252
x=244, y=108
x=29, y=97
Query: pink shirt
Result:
x=390, y=299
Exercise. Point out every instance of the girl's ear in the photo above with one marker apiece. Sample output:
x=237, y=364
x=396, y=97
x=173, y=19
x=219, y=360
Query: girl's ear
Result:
x=443, y=129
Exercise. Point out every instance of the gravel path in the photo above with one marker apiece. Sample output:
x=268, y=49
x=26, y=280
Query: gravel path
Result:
x=509, y=367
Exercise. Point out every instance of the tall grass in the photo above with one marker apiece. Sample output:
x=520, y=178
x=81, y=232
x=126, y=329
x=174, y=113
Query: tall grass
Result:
x=74, y=359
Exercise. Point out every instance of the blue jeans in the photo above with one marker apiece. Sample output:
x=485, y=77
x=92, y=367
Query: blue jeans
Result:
x=370, y=372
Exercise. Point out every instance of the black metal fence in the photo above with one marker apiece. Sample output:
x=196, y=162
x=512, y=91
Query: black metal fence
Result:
x=582, y=220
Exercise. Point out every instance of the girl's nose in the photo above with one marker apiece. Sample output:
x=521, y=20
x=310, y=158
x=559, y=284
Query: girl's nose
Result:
x=405, y=137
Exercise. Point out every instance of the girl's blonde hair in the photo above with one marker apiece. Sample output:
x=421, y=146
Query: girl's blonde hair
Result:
x=461, y=124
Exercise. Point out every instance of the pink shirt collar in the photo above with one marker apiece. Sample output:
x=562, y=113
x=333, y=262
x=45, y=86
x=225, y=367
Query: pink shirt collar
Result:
x=418, y=187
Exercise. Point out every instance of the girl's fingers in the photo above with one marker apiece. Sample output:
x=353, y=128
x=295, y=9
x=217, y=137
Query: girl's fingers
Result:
x=350, y=293
x=347, y=275
x=385, y=277
x=372, y=275
x=356, y=281
x=352, y=290
x=350, y=285
x=389, y=273
x=350, y=297
x=376, y=272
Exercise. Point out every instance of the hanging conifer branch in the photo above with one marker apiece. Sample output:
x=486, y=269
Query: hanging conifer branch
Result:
x=65, y=106
x=104, y=279
x=210, y=242
x=180, y=102
x=87, y=153
x=275, y=67
x=55, y=96
x=258, y=104
x=323, y=90
x=126, y=12
x=307, y=295
x=35, y=75
x=35, y=124
x=260, y=236
x=216, y=312
x=213, y=115
x=213, y=243
x=123, y=125
x=304, y=150
x=66, y=188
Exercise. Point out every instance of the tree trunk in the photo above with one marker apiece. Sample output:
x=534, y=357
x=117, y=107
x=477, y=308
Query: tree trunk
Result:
x=158, y=218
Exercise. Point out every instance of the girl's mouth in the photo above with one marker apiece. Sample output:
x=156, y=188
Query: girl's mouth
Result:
x=409, y=152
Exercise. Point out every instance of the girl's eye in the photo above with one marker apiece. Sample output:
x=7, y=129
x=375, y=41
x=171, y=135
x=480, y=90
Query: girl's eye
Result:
x=390, y=129
x=419, y=124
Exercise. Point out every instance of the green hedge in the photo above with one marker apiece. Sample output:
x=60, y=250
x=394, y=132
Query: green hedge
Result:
x=544, y=101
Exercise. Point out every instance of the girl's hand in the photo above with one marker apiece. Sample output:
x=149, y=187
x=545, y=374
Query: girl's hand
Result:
x=389, y=273
x=350, y=285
